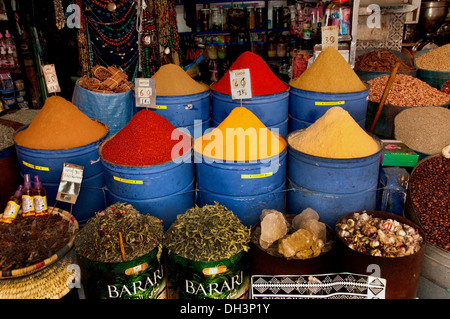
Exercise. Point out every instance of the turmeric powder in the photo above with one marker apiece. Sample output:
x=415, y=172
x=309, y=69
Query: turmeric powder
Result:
x=334, y=135
x=329, y=73
x=240, y=137
x=60, y=125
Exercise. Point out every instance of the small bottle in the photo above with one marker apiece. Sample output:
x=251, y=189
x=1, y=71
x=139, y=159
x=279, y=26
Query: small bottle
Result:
x=39, y=197
x=12, y=207
x=27, y=197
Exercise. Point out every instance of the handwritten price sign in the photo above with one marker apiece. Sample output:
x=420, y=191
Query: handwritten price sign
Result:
x=330, y=36
x=240, y=84
x=145, y=93
x=51, y=80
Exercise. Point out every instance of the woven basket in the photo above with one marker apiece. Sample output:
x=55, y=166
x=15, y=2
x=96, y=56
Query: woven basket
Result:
x=73, y=228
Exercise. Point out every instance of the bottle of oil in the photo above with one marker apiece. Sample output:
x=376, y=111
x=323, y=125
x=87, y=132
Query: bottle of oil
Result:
x=12, y=207
x=27, y=197
x=39, y=197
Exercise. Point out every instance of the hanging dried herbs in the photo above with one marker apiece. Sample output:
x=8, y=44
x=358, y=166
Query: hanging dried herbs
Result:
x=99, y=240
x=208, y=233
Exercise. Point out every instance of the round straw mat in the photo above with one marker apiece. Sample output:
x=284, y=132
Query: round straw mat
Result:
x=52, y=282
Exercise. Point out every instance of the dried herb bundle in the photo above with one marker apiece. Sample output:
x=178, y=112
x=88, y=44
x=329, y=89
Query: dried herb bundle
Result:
x=99, y=239
x=208, y=233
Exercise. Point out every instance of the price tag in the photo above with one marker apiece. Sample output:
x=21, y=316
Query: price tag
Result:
x=70, y=184
x=51, y=80
x=145, y=92
x=330, y=36
x=240, y=84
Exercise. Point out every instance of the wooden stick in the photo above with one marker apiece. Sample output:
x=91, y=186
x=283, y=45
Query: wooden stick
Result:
x=122, y=249
x=384, y=97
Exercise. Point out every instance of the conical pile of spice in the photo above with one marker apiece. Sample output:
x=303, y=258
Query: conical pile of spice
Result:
x=208, y=233
x=240, y=137
x=335, y=135
x=263, y=80
x=172, y=80
x=146, y=140
x=60, y=125
x=329, y=73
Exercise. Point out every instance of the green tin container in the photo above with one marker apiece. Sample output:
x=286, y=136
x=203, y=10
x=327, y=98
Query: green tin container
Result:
x=224, y=279
x=140, y=278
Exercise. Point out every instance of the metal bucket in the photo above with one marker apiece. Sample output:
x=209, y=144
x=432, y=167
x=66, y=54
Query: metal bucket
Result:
x=305, y=107
x=115, y=110
x=401, y=273
x=272, y=110
x=332, y=187
x=184, y=110
x=243, y=187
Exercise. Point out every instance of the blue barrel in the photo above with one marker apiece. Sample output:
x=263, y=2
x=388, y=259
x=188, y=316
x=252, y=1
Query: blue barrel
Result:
x=165, y=208
x=272, y=110
x=198, y=128
x=305, y=107
x=48, y=164
x=184, y=110
x=243, y=187
x=332, y=187
x=115, y=110
x=152, y=188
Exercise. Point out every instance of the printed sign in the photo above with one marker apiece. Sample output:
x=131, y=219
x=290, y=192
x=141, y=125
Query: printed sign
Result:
x=145, y=92
x=330, y=35
x=240, y=84
x=70, y=184
x=51, y=80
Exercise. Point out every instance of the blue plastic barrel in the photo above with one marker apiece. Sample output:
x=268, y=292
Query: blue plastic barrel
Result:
x=184, y=110
x=153, y=188
x=305, y=107
x=115, y=110
x=243, y=187
x=332, y=187
x=272, y=110
x=48, y=164
x=198, y=128
x=165, y=207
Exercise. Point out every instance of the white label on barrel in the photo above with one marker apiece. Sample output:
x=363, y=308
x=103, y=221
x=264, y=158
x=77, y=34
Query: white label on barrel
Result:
x=329, y=102
x=128, y=181
x=240, y=84
x=39, y=168
x=250, y=176
x=145, y=92
x=51, y=80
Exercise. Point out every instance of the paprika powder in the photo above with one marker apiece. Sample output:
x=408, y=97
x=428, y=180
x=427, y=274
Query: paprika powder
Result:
x=148, y=139
x=263, y=80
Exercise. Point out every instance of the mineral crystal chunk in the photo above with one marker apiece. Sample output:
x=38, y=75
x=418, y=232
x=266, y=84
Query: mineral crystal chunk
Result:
x=316, y=228
x=298, y=242
x=273, y=227
x=305, y=215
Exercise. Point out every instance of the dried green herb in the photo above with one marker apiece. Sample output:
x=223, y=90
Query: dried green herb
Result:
x=99, y=239
x=208, y=233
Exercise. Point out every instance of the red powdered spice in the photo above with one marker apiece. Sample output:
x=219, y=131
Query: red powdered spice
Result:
x=264, y=81
x=145, y=140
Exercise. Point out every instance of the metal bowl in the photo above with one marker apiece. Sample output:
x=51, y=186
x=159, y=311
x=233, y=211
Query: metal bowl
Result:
x=432, y=15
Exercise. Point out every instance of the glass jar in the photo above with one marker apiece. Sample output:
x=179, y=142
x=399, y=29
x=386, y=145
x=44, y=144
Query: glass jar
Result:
x=281, y=50
x=204, y=19
x=216, y=19
x=260, y=18
x=341, y=15
x=277, y=17
x=272, y=50
x=251, y=18
x=211, y=50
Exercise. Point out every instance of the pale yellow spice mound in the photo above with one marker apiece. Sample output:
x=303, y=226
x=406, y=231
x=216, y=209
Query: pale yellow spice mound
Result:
x=172, y=80
x=335, y=135
x=435, y=60
x=329, y=73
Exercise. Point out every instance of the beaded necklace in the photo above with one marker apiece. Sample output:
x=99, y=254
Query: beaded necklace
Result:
x=148, y=42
